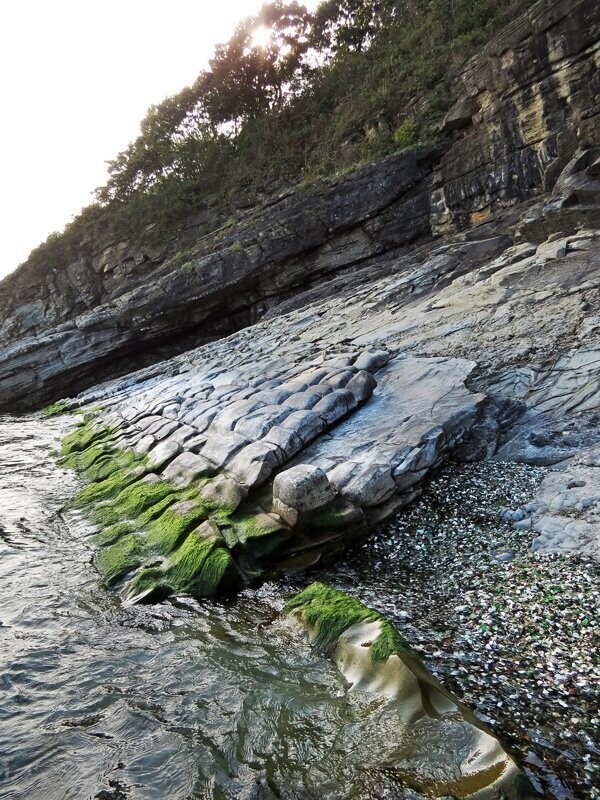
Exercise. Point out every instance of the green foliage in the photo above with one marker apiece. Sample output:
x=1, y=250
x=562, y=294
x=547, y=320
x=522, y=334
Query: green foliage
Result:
x=326, y=92
x=332, y=612
x=406, y=135
x=246, y=78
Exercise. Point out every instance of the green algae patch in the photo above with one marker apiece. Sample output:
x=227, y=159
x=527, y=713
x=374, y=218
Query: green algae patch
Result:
x=143, y=518
x=185, y=565
x=200, y=566
x=84, y=435
x=254, y=529
x=331, y=612
x=147, y=585
x=113, y=533
x=107, y=488
x=120, y=558
x=138, y=497
x=168, y=531
x=56, y=410
x=108, y=462
x=218, y=573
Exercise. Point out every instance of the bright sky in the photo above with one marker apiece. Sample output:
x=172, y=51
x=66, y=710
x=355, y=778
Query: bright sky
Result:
x=76, y=78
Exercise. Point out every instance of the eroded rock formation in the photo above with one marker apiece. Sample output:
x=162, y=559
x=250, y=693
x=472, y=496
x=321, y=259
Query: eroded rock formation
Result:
x=442, y=748
x=235, y=467
x=524, y=106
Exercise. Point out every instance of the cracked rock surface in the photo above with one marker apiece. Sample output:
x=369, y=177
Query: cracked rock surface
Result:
x=232, y=466
x=295, y=436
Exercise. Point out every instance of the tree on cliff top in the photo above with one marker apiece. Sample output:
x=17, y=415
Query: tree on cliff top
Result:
x=248, y=76
x=292, y=95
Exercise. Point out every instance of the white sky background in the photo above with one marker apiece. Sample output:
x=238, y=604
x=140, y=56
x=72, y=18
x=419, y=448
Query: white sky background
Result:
x=76, y=78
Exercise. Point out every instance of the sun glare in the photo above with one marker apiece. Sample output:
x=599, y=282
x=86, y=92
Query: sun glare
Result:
x=261, y=37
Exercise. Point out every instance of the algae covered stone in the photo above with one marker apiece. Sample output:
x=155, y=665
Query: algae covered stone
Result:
x=443, y=749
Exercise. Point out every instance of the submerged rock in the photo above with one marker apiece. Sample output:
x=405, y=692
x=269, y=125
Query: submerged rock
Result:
x=443, y=749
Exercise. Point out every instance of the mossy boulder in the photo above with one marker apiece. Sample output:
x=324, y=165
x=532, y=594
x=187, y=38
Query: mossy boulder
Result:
x=330, y=613
x=444, y=750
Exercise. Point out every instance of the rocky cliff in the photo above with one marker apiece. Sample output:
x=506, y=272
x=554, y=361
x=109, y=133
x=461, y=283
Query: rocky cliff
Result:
x=263, y=389
x=523, y=107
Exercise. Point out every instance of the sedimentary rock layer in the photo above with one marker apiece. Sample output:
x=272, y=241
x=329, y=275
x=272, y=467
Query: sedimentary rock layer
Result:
x=227, y=470
x=524, y=106
x=281, y=444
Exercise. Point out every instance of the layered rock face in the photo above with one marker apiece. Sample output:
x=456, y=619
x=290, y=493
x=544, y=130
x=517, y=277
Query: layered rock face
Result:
x=83, y=318
x=523, y=107
x=280, y=445
x=246, y=465
x=524, y=104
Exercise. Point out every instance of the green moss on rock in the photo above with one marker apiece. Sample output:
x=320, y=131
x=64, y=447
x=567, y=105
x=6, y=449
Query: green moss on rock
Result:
x=200, y=566
x=219, y=573
x=144, y=518
x=117, y=559
x=184, y=566
x=167, y=532
x=138, y=497
x=147, y=584
x=84, y=435
x=108, y=487
x=331, y=612
x=110, y=461
x=113, y=533
x=55, y=410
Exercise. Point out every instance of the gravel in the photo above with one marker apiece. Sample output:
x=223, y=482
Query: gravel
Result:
x=512, y=633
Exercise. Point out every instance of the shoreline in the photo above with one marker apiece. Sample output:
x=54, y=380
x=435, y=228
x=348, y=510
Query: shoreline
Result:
x=508, y=630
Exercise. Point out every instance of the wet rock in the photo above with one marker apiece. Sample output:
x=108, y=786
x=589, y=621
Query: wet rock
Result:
x=295, y=486
x=452, y=744
x=186, y=468
x=567, y=516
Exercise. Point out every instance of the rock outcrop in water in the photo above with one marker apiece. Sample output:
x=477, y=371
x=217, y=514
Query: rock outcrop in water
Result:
x=305, y=430
x=239, y=467
x=443, y=749
x=524, y=106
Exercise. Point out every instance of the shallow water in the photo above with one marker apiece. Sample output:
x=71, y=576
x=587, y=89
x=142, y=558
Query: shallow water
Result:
x=177, y=701
x=180, y=700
